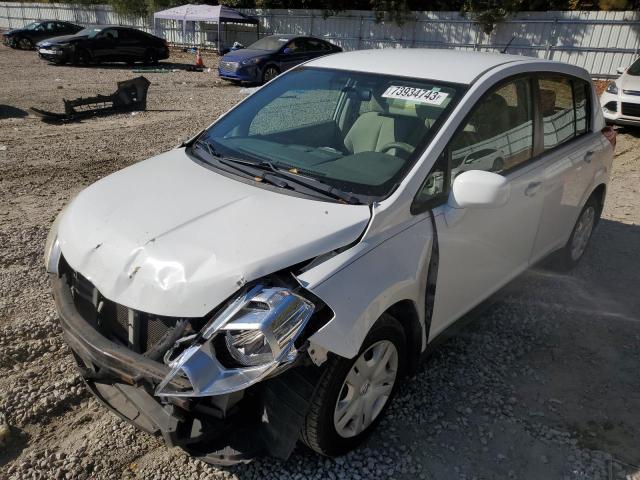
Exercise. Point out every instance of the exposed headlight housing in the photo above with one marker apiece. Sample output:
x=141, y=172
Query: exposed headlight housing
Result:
x=244, y=343
x=612, y=88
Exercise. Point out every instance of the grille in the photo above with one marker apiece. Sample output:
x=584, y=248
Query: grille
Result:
x=136, y=330
x=228, y=66
x=631, y=109
x=631, y=92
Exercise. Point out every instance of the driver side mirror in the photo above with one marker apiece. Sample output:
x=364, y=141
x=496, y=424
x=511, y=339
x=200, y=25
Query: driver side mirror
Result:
x=287, y=51
x=620, y=70
x=479, y=189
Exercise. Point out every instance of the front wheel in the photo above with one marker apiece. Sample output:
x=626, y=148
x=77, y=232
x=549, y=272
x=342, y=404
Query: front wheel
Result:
x=353, y=394
x=269, y=73
x=25, y=44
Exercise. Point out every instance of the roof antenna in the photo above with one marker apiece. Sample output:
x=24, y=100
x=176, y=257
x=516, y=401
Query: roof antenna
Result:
x=504, y=50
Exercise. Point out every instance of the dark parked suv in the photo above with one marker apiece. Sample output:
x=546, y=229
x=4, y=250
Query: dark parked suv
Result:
x=28, y=36
x=105, y=44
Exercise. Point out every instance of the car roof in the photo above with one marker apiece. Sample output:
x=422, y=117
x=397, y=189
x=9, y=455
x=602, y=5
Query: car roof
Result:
x=286, y=35
x=455, y=66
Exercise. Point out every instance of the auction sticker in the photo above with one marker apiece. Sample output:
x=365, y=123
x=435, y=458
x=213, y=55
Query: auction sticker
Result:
x=432, y=96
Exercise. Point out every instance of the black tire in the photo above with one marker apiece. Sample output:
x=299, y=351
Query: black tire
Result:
x=319, y=432
x=269, y=73
x=150, y=57
x=24, y=43
x=566, y=259
x=81, y=56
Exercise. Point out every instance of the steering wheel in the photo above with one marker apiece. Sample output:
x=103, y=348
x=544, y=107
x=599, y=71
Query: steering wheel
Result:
x=400, y=145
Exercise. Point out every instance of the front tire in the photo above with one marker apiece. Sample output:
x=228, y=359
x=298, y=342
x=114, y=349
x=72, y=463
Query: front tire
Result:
x=269, y=73
x=353, y=394
x=25, y=44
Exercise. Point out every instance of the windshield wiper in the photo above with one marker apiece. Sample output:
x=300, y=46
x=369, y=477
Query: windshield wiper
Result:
x=307, y=181
x=265, y=170
x=211, y=150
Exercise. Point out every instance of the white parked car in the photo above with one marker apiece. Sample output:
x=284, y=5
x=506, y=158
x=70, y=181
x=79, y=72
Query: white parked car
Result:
x=621, y=99
x=276, y=277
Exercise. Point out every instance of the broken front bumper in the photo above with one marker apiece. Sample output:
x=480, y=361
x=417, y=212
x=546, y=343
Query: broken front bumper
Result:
x=225, y=429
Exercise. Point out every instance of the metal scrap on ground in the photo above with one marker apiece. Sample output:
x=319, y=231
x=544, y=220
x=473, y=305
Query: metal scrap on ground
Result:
x=131, y=95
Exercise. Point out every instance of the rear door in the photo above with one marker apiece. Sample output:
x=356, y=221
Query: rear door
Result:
x=481, y=249
x=571, y=150
x=130, y=46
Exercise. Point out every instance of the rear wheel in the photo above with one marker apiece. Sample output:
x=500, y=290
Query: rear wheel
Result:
x=25, y=43
x=353, y=394
x=81, y=56
x=269, y=73
x=569, y=256
x=150, y=57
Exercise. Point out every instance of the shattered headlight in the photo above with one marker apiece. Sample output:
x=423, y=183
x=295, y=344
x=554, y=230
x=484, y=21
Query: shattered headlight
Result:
x=242, y=344
x=612, y=88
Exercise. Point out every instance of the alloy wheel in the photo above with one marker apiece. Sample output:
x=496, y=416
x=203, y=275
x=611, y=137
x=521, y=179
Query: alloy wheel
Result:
x=269, y=74
x=25, y=44
x=366, y=389
x=582, y=233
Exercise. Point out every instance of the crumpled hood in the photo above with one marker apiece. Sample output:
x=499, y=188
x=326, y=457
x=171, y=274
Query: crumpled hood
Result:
x=243, y=54
x=630, y=82
x=171, y=237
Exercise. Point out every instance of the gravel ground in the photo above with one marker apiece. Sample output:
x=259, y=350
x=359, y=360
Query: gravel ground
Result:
x=544, y=384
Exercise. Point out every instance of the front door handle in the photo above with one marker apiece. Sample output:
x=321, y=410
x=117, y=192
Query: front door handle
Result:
x=532, y=189
x=589, y=156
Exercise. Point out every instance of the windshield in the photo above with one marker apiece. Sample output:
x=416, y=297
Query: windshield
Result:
x=358, y=132
x=90, y=32
x=269, y=43
x=634, y=69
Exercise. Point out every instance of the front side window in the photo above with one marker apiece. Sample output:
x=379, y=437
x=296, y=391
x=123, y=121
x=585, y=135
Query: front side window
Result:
x=313, y=121
x=498, y=135
x=90, y=32
x=634, y=69
x=269, y=43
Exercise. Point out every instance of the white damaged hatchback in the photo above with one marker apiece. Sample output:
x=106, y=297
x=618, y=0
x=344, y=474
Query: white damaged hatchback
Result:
x=275, y=278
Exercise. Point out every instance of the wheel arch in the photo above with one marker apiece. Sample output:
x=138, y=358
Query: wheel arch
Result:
x=406, y=313
x=599, y=193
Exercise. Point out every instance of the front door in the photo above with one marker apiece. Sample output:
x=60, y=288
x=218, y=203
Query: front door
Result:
x=292, y=54
x=481, y=249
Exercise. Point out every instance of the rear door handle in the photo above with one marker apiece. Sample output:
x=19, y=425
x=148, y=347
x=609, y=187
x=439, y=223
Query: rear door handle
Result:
x=589, y=156
x=532, y=189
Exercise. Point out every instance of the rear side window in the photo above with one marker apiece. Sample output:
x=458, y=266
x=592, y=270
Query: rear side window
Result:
x=556, y=109
x=581, y=100
x=498, y=135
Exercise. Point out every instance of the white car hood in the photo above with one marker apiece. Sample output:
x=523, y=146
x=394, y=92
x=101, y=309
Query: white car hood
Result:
x=630, y=82
x=171, y=237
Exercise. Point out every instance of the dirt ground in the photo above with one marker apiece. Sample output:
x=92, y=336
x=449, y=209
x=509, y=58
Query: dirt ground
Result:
x=544, y=385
